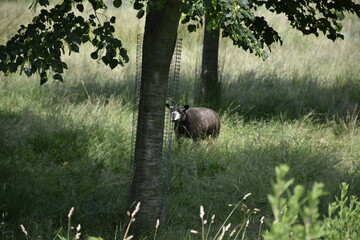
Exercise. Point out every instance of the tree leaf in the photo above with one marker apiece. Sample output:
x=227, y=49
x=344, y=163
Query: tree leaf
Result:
x=117, y=43
x=74, y=47
x=12, y=67
x=28, y=71
x=80, y=7
x=105, y=60
x=85, y=38
x=94, y=55
x=3, y=55
x=124, y=54
x=113, y=19
x=95, y=41
x=138, y=5
x=3, y=67
x=44, y=2
x=19, y=60
x=117, y=3
x=97, y=4
x=113, y=63
x=64, y=65
x=58, y=68
x=191, y=28
x=43, y=78
x=58, y=77
x=140, y=14
x=186, y=8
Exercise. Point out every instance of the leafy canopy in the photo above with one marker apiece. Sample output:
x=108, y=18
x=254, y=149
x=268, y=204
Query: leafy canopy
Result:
x=38, y=47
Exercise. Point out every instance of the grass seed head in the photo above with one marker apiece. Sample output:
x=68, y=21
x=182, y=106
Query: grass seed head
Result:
x=246, y=196
x=222, y=233
x=232, y=232
x=137, y=208
x=157, y=223
x=202, y=212
x=71, y=212
x=212, y=218
x=23, y=230
x=77, y=236
x=227, y=227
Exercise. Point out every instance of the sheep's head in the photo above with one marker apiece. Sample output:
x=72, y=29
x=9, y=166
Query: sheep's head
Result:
x=177, y=113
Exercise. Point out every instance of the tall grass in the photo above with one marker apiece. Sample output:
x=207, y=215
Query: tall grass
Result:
x=66, y=145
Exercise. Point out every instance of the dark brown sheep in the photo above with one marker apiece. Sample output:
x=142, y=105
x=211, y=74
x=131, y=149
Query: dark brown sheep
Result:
x=196, y=123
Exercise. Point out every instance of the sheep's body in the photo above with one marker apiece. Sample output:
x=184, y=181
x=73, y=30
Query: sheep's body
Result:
x=196, y=123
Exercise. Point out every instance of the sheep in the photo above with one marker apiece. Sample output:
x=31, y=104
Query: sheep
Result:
x=195, y=123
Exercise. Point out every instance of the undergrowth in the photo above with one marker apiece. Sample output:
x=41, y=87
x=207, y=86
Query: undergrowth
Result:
x=295, y=215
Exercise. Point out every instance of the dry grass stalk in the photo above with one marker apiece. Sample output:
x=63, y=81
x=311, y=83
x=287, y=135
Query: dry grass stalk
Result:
x=202, y=213
x=261, y=223
x=132, y=219
x=156, y=227
x=24, y=230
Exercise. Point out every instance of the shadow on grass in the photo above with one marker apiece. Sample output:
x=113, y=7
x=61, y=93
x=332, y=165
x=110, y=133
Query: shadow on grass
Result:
x=252, y=95
x=262, y=97
x=46, y=167
x=217, y=177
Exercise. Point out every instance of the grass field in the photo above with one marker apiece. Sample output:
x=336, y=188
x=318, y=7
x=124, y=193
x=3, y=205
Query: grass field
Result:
x=68, y=144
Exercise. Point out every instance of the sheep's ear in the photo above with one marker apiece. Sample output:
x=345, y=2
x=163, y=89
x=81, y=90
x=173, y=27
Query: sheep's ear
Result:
x=186, y=107
x=168, y=106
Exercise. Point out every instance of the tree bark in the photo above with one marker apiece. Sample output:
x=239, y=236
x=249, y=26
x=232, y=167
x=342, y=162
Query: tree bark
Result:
x=210, y=93
x=159, y=43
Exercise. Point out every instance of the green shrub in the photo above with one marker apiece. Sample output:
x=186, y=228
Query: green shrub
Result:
x=296, y=215
x=344, y=217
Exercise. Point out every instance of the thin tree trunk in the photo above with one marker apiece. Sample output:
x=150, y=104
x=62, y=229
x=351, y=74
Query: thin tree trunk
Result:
x=159, y=42
x=210, y=93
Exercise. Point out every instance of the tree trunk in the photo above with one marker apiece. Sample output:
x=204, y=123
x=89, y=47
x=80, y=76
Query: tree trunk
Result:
x=210, y=93
x=159, y=42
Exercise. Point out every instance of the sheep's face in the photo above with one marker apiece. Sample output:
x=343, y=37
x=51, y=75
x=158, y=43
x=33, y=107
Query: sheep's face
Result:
x=177, y=113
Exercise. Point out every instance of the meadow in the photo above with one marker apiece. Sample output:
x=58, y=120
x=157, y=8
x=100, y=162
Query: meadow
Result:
x=65, y=145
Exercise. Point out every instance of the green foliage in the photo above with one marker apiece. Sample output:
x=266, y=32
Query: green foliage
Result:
x=117, y=3
x=311, y=16
x=38, y=47
x=140, y=13
x=343, y=217
x=295, y=216
x=237, y=22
